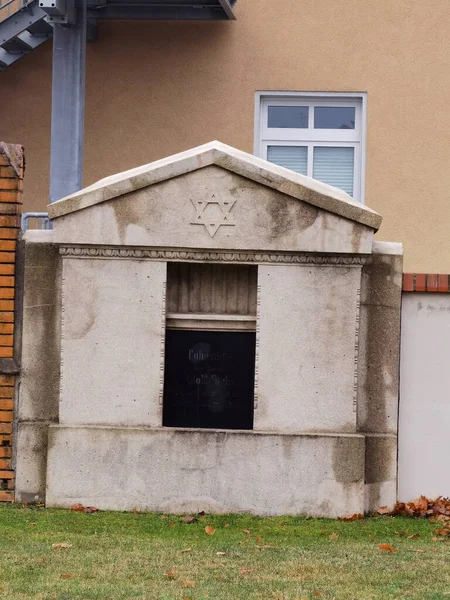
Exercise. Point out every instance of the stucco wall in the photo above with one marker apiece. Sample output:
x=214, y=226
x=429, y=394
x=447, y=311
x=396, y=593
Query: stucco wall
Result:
x=155, y=88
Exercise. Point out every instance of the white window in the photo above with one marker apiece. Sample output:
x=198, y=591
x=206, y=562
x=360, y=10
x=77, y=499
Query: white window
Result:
x=320, y=135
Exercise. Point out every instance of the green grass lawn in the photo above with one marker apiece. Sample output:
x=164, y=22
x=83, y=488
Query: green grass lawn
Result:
x=118, y=556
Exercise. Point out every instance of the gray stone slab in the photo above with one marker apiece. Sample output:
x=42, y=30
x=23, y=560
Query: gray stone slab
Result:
x=31, y=461
x=41, y=330
x=182, y=471
x=112, y=333
x=215, y=209
x=306, y=348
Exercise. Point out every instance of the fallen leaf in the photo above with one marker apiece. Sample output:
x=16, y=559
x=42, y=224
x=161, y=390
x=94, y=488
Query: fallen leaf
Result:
x=317, y=594
x=414, y=536
x=421, y=503
x=170, y=574
x=265, y=547
x=247, y=531
x=245, y=571
x=62, y=545
x=188, y=584
x=259, y=540
x=433, y=549
x=163, y=517
x=387, y=547
x=333, y=536
x=77, y=507
x=66, y=576
x=226, y=526
x=90, y=509
x=354, y=517
x=32, y=524
x=188, y=519
x=187, y=550
x=383, y=510
x=171, y=524
x=210, y=530
x=220, y=553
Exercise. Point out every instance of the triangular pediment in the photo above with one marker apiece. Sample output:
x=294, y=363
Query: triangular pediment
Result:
x=289, y=183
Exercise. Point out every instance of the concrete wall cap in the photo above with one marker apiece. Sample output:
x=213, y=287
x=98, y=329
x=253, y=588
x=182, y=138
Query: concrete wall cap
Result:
x=394, y=248
x=38, y=236
x=297, y=186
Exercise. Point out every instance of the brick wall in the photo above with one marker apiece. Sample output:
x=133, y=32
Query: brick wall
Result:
x=426, y=282
x=11, y=180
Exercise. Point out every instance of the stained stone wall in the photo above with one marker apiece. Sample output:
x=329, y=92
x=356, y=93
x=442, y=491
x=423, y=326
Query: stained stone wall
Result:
x=312, y=248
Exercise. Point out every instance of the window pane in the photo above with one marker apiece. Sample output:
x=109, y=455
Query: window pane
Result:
x=335, y=166
x=295, y=117
x=334, y=117
x=290, y=157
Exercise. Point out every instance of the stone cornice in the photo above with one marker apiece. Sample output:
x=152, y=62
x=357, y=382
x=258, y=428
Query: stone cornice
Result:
x=225, y=256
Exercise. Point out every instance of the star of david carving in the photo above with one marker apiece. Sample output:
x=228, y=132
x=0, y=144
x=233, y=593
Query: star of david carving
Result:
x=214, y=221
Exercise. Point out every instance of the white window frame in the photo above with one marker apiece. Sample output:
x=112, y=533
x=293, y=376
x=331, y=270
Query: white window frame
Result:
x=310, y=137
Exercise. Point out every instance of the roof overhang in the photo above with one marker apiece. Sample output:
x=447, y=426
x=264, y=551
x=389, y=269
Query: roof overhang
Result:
x=200, y=10
x=287, y=182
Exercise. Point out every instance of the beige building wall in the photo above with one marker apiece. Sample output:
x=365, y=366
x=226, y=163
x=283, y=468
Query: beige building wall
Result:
x=156, y=88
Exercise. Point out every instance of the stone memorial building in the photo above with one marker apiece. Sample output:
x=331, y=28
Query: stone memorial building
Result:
x=210, y=332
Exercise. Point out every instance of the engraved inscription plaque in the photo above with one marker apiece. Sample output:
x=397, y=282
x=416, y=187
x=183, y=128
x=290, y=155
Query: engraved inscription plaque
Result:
x=209, y=379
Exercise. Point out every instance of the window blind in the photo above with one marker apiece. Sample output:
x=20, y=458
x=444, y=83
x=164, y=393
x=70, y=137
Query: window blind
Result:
x=289, y=157
x=335, y=166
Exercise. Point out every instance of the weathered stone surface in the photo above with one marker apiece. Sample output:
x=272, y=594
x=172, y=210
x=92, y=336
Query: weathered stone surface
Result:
x=380, y=471
x=213, y=208
x=255, y=169
x=379, y=348
x=41, y=330
x=112, y=340
x=187, y=471
x=306, y=351
x=31, y=461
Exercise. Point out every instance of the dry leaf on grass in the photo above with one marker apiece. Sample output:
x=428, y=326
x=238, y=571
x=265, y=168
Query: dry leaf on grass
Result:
x=62, y=545
x=220, y=553
x=414, y=536
x=422, y=507
x=383, y=510
x=265, y=547
x=188, y=584
x=333, y=536
x=186, y=550
x=86, y=509
x=66, y=576
x=259, y=540
x=388, y=548
x=355, y=517
x=210, y=530
x=245, y=571
x=170, y=574
x=171, y=524
x=247, y=531
x=188, y=519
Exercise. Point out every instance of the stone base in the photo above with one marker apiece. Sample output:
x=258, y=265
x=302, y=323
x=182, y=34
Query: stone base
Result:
x=31, y=461
x=185, y=470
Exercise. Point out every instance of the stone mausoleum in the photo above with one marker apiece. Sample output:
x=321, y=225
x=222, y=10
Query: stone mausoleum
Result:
x=210, y=332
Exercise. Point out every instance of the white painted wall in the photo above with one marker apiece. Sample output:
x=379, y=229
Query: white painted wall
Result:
x=424, y=420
